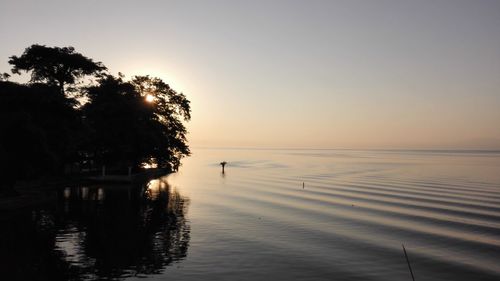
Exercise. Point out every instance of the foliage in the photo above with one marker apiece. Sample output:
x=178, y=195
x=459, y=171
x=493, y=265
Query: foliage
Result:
x=54, y=65
x=170, y=108
x=4, y=76
x=43, y=130
x=38, y=126
x=127, y=128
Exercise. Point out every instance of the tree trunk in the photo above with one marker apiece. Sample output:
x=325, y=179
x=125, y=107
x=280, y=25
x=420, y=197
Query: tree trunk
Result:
x=61, y=87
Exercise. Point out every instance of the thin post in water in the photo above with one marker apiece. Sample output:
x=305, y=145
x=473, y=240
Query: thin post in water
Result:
x=408, y=261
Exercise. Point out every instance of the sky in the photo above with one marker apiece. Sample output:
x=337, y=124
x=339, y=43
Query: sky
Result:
x=295, y=74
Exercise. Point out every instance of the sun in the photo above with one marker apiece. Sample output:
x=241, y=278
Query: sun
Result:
x=149, y=98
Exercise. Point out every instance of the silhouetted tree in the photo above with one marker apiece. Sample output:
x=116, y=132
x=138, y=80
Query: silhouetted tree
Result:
x=170, y=109
x=117, y=125
x=54, y=65
x=127, y=128
x=23, y=150
x=39, y=129
x=4, y=76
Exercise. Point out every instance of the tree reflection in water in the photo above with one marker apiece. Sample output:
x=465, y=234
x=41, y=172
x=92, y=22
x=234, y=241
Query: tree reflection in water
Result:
x=105, y=232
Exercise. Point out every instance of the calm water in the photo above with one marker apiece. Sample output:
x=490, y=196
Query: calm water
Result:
x=274, y=215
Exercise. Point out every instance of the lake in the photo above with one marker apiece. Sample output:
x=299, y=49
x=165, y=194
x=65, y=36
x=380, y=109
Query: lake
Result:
x=273, y=215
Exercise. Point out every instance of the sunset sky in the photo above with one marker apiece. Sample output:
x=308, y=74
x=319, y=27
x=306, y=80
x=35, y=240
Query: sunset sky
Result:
x=304, y=74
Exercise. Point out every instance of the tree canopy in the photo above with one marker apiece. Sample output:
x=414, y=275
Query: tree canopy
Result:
x=55, y=65
x=121, y=124
x=128, y=127
x=170, y=108
x=39, y=130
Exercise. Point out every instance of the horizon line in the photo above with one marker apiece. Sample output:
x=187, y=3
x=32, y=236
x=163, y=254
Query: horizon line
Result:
x=480, y=150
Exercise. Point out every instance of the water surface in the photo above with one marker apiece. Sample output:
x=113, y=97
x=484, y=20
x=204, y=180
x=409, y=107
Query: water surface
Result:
x=276, y=215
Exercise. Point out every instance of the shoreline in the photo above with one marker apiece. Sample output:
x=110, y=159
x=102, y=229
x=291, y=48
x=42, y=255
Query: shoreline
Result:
x=37, y=193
